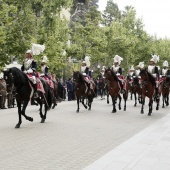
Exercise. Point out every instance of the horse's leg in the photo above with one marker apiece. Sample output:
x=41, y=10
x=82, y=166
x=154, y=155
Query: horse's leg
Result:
x=23, y=111
x=157, y=103
x=120, y=99
x=45, y=113
x=135, y=99
x=150, y=106
x=125, y=96
x=142, y=102
x=78, y=104
x=114, y=104
x=167, y=103
x=83, y=103
x=163, y=101
x=19, y=114
x=89, y=102
x=107, y=98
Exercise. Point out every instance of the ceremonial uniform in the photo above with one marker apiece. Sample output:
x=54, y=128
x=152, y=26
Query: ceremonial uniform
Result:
x=44, y=72
x=29, y=67
x=152, y=69
x=118, y=71
x=131, y=74
x=164, y=71
x=85, y=71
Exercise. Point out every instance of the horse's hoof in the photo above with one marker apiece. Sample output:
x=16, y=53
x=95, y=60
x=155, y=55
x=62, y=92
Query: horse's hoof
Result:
x=149, y=114
x=142, y=112
x=30, y=119
x=85, y=107
x=134, y=105
x=120, y=108
x=42, y=120
x=107, y=102
x=163, y=106
x=89, y=109
x=77, y=111
x=17, y=126
x=124, y=109
x=157, y=108
x=113, y=111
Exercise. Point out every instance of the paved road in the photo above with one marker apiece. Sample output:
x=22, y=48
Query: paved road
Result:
x=68, y=140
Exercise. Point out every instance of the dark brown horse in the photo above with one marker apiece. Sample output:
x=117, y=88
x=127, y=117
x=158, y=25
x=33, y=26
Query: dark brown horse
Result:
x=80, y=86
x=164, y=88
x=114, y=88
x=148, y=86
x=129, y=86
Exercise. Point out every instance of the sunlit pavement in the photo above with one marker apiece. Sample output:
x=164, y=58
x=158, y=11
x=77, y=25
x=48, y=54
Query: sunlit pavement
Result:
x=96, y=139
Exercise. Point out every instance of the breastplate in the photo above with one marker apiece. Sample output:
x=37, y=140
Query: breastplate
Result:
x=151, y=69
x=115, y=69
x=27, y=64
x=164, y=71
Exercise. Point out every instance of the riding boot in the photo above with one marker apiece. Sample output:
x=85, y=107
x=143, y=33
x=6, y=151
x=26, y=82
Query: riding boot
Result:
x=35, y=91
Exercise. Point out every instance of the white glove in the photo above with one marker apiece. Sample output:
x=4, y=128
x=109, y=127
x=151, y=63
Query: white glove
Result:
x=25, y=71
x=30, y=71
x=118, y=74
x=160, y=76
x=139, y=77
x=154, y=75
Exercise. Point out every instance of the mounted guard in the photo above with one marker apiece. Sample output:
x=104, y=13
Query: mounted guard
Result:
x=44, y=72
x=85, y=71
x=118, y=71
x=164, y=71
x=154, y=70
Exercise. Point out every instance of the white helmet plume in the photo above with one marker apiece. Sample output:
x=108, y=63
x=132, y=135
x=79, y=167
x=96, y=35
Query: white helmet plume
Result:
x=118, y=59
x=87, y=60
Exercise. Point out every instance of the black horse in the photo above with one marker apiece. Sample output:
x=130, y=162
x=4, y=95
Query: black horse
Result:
x=16, y=77
x=81, y=91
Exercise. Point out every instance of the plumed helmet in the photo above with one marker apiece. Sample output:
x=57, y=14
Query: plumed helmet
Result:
x=117, y=59
x=45, y=59
x=29, y=52
x=141, y=65
x=132, y=68
x=165, y=64
x=83, y=62
x=87, y=60
x=155, y=58
x=37, y=49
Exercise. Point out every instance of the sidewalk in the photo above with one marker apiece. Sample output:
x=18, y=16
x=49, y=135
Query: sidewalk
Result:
x=148, y=150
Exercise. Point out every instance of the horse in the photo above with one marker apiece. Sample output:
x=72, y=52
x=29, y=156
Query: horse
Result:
x=80, y=86
x=114, y=88
x=136, y=90
x=148, y=86
x=164, y=88
x=16, y=77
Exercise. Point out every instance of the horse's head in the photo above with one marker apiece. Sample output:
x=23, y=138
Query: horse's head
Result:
x=110, y=74
x=8, y=77
x=144, y=75
x=77, y=77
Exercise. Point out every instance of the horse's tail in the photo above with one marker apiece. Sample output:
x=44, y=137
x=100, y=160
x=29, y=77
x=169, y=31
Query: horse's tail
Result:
x=49, y=98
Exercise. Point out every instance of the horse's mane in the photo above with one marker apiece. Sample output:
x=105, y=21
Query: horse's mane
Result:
x=135, y=80
x=151, y=78
x=114, y=75
x=19, y=76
